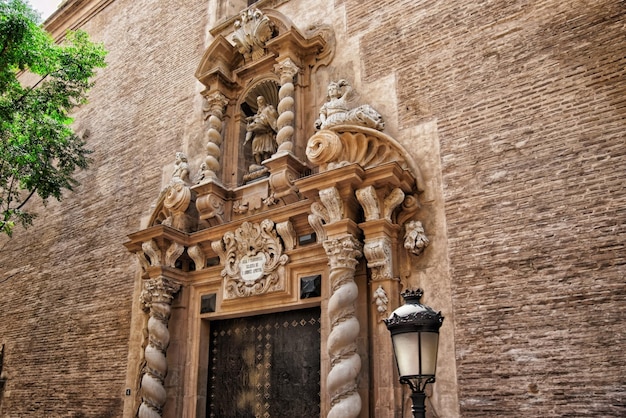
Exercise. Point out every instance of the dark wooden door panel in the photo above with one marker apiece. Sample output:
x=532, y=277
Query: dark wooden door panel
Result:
x=265, y=366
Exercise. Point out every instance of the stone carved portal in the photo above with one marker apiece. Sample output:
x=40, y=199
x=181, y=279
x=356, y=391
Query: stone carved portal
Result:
x=253, y=260
x=262, y=186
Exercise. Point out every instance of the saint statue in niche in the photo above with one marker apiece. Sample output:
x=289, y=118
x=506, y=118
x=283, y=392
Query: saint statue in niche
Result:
x=261, y=128
x=339, y=109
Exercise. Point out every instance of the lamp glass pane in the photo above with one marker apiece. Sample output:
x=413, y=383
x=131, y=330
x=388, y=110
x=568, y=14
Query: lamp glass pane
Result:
x=406, y=348
x=430, y=340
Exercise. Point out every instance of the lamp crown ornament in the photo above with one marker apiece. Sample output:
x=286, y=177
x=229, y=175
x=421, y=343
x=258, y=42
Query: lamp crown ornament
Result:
x=414, y=314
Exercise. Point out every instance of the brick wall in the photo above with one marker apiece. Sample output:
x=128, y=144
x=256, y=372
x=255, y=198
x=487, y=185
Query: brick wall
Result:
x=66, y=308
x=530, y=101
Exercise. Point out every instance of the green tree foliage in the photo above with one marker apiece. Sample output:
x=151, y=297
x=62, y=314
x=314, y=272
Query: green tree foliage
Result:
x=39, y=151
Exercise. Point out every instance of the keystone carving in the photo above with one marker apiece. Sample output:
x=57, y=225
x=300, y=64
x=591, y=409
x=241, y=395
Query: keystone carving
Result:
x=253, y=260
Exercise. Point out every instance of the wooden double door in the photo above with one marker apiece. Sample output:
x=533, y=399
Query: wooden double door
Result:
x=265, y=366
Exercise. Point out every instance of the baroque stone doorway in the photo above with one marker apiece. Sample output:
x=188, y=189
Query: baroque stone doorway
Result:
x=265, y=366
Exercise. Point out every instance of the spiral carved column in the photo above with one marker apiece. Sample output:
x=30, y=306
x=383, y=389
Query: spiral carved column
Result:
x=214, y=108
x=157, y=299
x=345, y=362
x=286, y=70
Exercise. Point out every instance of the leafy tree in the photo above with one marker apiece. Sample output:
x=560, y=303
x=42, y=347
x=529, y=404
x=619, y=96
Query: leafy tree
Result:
x=39, y=151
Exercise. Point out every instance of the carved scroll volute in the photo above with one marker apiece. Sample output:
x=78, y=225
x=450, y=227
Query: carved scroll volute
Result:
x=318, y=217
x=288, y=233
x=376, y=208
x=153, y=255
x=198, y=256
x=333, y=203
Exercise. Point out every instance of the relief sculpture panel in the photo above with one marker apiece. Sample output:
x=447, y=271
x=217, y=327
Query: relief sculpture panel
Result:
x=253, y=260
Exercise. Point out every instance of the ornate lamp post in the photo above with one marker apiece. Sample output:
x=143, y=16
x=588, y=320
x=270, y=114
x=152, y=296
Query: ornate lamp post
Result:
x=415, y=335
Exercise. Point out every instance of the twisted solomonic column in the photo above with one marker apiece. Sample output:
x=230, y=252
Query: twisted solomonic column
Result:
x=345, y=362
x=157, y=299
x=214, y=109
x=286, y=70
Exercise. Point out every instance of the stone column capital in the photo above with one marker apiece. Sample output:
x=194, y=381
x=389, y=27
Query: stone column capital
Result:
x=286, y=70
x=215, y=102
x=159, y=290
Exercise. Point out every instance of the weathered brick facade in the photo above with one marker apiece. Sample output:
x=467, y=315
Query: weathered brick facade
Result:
x=529, y=103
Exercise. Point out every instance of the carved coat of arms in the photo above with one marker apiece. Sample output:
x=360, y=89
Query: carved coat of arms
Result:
x=253, y=260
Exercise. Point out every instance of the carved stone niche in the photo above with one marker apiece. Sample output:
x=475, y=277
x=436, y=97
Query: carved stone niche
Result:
x=259, y=53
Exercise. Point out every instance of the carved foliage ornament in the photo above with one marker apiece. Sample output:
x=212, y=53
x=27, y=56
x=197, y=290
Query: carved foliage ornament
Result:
x=252, y=30
x=253, y=260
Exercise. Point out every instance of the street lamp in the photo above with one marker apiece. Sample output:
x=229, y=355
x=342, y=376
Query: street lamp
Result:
x=415, y=336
